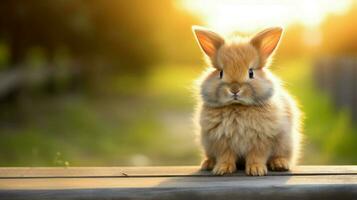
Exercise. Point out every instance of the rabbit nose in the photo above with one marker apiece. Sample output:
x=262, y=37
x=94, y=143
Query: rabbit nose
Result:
x=234, y=91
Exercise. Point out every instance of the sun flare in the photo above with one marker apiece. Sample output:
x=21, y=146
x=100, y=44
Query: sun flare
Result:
x=228, y=15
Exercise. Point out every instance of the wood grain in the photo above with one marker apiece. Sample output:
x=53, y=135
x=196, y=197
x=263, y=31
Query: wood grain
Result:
x=303, y=182
x=167, y=171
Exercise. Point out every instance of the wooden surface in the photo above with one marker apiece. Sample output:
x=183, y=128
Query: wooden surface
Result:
x=303, y=182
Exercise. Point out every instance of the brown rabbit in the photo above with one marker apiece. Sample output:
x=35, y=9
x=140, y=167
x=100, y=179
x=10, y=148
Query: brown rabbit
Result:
x=244, y=114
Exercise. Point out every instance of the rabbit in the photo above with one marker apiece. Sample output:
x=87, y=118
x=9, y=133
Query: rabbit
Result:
x=244, y=115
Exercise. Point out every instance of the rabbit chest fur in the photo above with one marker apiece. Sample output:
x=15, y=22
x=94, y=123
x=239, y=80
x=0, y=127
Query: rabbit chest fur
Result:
x=242, y=128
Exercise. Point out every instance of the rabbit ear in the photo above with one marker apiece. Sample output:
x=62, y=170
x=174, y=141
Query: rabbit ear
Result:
x=267, y=40
x=208, y=40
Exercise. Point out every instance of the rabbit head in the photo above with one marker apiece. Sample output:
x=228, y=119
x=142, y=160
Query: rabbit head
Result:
x=239, y=74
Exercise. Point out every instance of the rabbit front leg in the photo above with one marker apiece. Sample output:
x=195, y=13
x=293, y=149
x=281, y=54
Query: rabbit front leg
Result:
x=225, y=162
x=219, y=154
x=255, y=162
x=279, y=163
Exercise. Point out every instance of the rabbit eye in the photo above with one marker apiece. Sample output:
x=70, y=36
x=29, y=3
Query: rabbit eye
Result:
x=251, y=73
x=221, y=74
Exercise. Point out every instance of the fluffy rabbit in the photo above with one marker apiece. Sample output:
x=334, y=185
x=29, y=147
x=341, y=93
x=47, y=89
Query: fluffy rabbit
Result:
x=244, y=115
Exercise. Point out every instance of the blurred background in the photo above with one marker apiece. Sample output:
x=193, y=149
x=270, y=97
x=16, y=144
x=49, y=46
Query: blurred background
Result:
x=94, y=83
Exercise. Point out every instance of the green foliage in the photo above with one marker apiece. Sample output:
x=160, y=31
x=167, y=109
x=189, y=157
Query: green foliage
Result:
x=151, y=124
x=329, y=134
x=122, y=88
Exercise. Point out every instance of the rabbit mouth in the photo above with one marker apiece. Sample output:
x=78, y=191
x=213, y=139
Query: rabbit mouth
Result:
x=235, y=100
x=235, y=97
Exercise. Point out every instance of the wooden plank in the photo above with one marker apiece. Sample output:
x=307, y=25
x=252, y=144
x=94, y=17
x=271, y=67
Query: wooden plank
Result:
x=169, y=171
x=274, y=187
x=173, y=182
x=304, y=182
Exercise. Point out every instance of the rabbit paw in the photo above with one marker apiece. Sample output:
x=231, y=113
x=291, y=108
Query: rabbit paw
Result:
x=256, y=170
x=279, y=164
x=208, y=164
x=224, y=168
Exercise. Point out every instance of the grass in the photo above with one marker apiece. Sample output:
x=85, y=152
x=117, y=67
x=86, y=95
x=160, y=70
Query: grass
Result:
x=149, y=123
x=82, y=132
x=329, y=133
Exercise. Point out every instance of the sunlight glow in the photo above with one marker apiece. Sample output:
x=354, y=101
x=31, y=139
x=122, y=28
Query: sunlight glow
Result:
x=244, y=15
